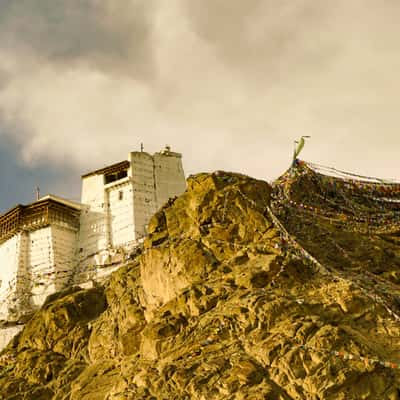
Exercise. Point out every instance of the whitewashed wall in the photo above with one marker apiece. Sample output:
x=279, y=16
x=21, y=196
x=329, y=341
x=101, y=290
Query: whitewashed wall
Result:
x=92, y=235
x=120, y=201
x=106, y=222
x=169, y=177
x=144, y=200
x=9, y=260
x=40, y=259
x=37, y=263
x=50, y=260
x=65, y=252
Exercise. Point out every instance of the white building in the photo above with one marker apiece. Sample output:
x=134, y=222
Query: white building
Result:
x=38, y=253
x=117, y=204
x=53, y=243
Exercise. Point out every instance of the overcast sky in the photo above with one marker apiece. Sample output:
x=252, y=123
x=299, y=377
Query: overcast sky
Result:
x=229, y=83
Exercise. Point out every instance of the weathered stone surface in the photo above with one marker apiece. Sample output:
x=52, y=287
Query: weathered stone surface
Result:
x=218, y=307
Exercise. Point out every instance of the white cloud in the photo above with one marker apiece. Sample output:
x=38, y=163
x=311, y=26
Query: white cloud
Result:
x=230, y=84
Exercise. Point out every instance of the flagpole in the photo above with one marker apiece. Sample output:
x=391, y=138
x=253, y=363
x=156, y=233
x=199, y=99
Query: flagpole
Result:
x=300, y=144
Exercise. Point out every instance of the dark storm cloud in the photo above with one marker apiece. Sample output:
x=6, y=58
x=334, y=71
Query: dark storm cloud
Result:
x=19, y=183
x=230, y=83
x=110, y=35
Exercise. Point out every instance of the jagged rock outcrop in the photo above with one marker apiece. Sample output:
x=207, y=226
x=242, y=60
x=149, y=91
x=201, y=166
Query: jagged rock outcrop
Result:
x=221, y=304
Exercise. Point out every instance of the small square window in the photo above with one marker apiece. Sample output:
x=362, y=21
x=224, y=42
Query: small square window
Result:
x=120, y=195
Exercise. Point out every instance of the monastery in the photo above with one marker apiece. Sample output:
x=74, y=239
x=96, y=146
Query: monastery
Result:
x=53, y=243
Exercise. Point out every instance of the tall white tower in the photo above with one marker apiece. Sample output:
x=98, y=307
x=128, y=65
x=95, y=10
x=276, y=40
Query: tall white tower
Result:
x=119, y=200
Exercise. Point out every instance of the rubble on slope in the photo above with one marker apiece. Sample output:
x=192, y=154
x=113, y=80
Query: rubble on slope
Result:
x=225, y=301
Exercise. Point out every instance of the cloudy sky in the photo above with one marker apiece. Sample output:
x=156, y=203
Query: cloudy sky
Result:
x=229, y=83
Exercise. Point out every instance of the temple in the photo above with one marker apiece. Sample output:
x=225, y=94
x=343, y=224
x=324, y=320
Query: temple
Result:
x=53, y=243
x=118, y=202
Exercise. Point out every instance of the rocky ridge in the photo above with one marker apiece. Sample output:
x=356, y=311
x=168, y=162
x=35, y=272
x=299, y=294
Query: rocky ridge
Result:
x=242, y=291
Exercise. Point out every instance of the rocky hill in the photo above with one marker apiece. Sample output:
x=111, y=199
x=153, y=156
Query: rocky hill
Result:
x=242, y=291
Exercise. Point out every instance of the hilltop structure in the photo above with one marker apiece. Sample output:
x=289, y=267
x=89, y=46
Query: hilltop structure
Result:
x=118, y=202
x=54, y=243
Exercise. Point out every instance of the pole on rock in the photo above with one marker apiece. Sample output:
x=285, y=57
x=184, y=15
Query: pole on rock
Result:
x=298, y=147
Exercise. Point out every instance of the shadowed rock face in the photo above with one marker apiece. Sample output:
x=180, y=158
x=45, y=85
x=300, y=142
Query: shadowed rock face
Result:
x=220, y=305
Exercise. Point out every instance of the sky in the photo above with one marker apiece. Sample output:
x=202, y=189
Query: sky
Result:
x=229, y=83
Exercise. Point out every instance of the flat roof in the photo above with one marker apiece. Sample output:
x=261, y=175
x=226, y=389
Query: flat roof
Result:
x=43, y=200
x=61, y=200
x=124, y=165
x=120, y=166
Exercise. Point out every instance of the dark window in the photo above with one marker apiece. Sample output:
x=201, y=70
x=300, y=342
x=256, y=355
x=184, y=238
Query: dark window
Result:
x=120, y=195
x=115, y=176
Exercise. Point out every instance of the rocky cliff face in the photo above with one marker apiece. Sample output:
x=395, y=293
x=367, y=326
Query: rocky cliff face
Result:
x=225, y=301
